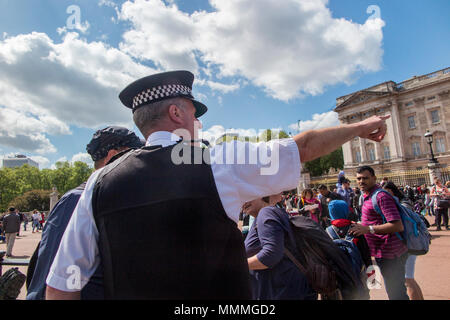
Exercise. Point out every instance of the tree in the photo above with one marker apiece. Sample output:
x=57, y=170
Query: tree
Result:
x=15, y=182
x=34, y=199
x=321, y=165
x=80, y=173
x=268, y=135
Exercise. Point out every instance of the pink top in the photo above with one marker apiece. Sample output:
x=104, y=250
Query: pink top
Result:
x=387, y=246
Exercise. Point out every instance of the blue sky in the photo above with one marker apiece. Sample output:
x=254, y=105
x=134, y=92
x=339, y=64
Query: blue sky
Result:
x=258, y=64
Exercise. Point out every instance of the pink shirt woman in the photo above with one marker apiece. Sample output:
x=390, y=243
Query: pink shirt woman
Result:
x=309, y=205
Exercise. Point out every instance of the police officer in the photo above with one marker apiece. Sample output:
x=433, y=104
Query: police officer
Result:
x=179, y=239
x=104, y=145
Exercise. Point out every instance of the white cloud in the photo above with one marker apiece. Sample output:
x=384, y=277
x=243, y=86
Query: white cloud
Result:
x=42, y=161
x=46, y=87
x=290, y=48
x=319, y=120
x=83, y=157
x=224, y=88
x=216, y=131
x=108, y=3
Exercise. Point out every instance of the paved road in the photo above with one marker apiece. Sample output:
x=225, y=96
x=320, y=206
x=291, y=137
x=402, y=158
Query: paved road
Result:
x=432, y=269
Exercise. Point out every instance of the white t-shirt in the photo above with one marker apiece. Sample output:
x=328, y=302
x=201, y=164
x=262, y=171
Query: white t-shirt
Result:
x=241, y=172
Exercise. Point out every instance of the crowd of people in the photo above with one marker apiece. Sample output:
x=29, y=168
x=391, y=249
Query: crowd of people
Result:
x=181, y=238
x=340, y=211
x=10, y=223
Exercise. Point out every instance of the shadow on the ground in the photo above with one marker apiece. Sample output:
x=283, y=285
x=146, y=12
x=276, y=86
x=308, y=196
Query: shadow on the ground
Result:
x=439, y=236
x=20, y=257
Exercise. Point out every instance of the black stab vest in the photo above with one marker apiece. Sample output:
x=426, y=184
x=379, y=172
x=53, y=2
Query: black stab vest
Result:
x=163, y=232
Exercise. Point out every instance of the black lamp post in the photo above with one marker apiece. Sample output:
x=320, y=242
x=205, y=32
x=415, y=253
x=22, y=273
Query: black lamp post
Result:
x=429, y=137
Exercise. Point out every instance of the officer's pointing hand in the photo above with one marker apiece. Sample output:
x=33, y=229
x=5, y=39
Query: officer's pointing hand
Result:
x=373, y=128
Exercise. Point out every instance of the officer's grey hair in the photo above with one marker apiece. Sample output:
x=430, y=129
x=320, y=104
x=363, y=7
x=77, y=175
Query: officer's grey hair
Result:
x=148, y=116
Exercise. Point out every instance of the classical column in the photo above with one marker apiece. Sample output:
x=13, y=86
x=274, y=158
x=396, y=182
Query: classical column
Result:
x=305, y=181
x=362, y=146
x=53, y=198
x=378, y=152
x=348, y=154
x=395, y=134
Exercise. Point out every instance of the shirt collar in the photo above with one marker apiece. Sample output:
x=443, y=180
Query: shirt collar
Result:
x=374, y=188
x=162, y=138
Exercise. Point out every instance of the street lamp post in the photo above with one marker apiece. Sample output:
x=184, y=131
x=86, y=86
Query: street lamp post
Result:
x=429, y=137
x=433, y=164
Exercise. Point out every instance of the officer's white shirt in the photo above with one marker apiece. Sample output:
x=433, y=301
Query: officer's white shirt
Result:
x=238, y=179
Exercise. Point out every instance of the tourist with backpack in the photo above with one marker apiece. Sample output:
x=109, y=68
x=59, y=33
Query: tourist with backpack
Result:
x=412, y=287
x=274, y=275
x=355, y=248
x=340, y=225
x=390, y=251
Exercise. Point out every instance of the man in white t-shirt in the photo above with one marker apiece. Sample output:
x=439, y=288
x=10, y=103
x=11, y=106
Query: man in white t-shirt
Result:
x=36, y=218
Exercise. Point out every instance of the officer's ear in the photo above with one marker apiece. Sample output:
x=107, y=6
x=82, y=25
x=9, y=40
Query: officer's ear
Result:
x=176, y=113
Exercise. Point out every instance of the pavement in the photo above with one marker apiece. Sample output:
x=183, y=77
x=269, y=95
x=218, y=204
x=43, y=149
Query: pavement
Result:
x=432, y=270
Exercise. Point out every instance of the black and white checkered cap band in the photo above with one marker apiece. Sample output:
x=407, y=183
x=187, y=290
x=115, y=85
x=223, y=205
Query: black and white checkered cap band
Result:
x=159, y=92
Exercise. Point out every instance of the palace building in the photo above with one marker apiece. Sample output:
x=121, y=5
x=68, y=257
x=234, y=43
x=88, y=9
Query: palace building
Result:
x=416, y=105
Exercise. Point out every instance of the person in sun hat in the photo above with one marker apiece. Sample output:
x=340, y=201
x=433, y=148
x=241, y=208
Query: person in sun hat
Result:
x=182, y=240
x=105, y=144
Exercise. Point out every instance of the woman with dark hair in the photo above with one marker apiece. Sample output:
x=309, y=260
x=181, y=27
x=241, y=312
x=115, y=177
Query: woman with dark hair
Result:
x=412, y=287
x=274, y=276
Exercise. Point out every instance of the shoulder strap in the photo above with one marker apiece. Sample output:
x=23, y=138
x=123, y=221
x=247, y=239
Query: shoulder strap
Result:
x=378, y=210
x=332, y=233
x=349, y=238
x=294, y=260
x=375, y=203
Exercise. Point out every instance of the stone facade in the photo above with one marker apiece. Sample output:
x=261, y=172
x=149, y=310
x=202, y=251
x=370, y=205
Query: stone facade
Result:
x=416, y=105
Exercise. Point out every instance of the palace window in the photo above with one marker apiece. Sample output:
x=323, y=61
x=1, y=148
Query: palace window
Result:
x=358, y=156
x=409, y=104
x=435, y=116
x=371, y=154
x=440, y=145
x=411, y=122
x=416, y=149
x=387, y=152
x=431, y=98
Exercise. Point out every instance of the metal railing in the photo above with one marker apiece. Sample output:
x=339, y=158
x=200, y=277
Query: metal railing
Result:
x=409, y=177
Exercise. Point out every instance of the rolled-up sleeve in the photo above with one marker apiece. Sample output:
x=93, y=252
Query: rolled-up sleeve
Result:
x=271, y=237
x=77, y=257
x=246, y=171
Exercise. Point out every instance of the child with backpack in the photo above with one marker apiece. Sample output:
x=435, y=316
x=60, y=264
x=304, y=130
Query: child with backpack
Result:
x=356, y=248
x=340, y=224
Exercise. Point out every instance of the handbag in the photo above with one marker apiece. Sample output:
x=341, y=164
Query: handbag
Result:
x=443, y=203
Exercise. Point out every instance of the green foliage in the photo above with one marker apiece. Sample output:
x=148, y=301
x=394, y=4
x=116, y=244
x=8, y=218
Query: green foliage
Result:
x=34, y=199
x=321, y=165
x=16, y=182
x=268, y=135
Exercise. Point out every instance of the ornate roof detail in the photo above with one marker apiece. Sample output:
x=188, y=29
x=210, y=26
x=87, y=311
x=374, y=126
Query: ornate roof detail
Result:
x=361, y=96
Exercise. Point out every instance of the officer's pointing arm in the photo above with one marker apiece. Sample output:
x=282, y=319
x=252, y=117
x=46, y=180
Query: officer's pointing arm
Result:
x=313, y=144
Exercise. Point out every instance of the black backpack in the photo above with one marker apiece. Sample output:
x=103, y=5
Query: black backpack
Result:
x=315, y=250
x=10, y=284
